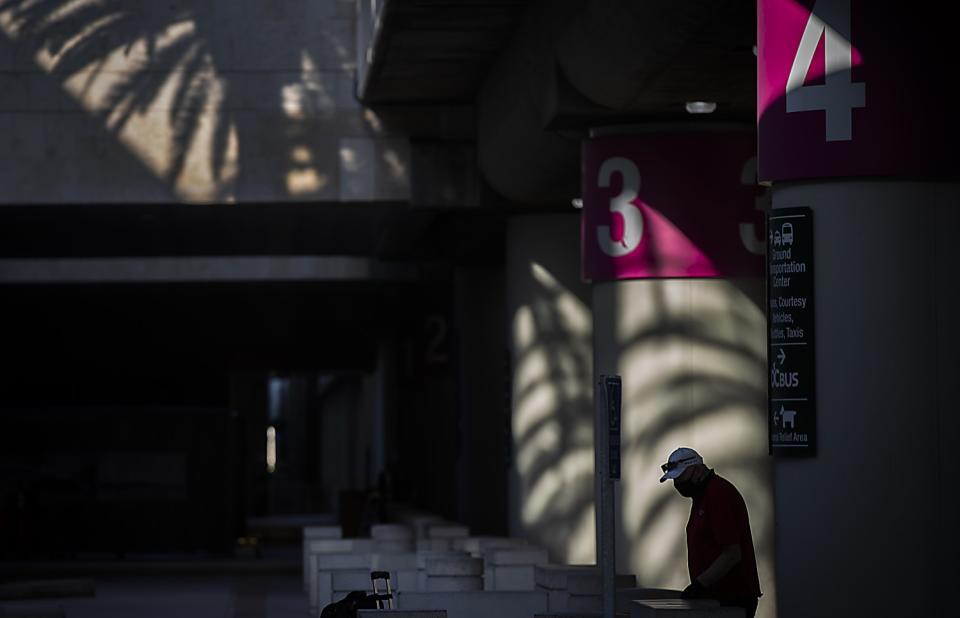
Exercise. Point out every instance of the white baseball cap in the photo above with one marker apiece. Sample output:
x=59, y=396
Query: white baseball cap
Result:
x=680, y=460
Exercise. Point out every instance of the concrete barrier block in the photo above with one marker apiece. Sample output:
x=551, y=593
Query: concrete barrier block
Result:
x=434, y=545
x=47, y=589
x=32, y=611
x=500, y=556
x=321, y=565
x=592, y=584
x=394, y=545
x=585, y=603
x=447, y=531
x=564, y=602
x=401, y=613
x=341, y=562
x=553, y=576
x=477, y=604
x=322, y=545
x=557, y=600
x=390, y=532
x=674, y=608
x=454, y=583
x=519, y=577
x=421, y=523
x=337, y=546
x=307, y=546
x=407, y=579
x=394, y=561
x=478, y=545
x=421, y=526
x=457, y=567
x=359, y=579
x=351, y=580
x=321, y=588
x=322, y=532
x=577, y=579
x=314, y=547
x=424, y=556
x=626, y=595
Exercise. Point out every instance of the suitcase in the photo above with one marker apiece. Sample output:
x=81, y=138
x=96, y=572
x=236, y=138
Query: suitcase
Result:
x=347, y=606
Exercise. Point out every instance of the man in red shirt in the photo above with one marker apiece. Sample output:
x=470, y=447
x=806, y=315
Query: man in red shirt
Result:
x=720, y=556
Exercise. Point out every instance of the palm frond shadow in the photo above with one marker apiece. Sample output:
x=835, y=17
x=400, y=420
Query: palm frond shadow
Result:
x=82, y=36
x=716, y=393
x=169, y=65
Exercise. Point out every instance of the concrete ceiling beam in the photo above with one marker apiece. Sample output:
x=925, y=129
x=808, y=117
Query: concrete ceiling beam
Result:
x=518, y=157
x=652, y=57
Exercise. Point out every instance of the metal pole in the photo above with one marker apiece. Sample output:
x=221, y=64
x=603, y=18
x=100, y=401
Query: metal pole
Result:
x=607, y=466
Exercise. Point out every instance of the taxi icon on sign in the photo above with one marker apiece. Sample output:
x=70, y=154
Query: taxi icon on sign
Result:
x=777, y=240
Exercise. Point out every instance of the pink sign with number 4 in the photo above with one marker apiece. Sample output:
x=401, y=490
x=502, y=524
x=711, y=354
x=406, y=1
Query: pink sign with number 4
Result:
x=853, y=88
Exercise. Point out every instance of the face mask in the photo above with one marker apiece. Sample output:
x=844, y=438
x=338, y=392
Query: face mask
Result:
x=687, y=489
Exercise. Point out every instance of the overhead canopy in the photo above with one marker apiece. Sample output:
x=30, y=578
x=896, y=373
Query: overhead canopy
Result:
x=536, y=67
x=431, y=50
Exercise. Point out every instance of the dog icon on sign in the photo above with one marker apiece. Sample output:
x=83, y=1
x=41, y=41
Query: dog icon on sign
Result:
x=785, y=418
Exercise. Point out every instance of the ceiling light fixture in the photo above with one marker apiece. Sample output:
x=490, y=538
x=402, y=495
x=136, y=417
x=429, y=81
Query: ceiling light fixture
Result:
x=701, y=107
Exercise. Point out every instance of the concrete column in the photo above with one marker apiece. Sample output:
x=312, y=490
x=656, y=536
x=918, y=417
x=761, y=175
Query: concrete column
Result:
x=551, y=488
x=867, y=526
x=689, y=343
x=692, y=356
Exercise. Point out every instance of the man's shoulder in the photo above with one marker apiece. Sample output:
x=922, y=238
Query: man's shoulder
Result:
x=721, y=488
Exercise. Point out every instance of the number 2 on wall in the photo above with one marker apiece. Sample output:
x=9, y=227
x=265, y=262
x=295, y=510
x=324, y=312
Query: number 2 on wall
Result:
x=829, y=19
x=623, y=205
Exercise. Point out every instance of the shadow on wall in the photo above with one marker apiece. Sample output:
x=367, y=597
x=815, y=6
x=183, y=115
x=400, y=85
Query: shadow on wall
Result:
x=692, y=354
x=219, y=99
x=552, y=419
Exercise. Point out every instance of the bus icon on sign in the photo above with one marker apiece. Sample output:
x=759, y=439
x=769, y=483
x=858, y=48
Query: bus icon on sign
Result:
x=786, y=233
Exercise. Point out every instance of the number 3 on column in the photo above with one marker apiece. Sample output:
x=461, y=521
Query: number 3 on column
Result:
x=623, y=205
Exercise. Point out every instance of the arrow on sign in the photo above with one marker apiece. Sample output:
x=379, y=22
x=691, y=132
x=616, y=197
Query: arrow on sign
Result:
x=781, y=356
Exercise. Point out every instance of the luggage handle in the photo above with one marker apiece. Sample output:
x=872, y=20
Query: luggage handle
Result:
x=377, y=595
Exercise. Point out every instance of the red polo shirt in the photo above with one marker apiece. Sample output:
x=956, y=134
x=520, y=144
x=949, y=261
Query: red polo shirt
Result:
x=718, y=517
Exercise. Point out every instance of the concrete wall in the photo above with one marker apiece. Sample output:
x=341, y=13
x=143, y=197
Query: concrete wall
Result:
x=868, y=525
x=189, y=100
x=692, y=355
x=551, y=499
x=342, y=426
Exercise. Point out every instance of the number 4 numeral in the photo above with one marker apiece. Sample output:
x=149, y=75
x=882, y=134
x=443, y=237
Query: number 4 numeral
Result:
x=829, y=19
